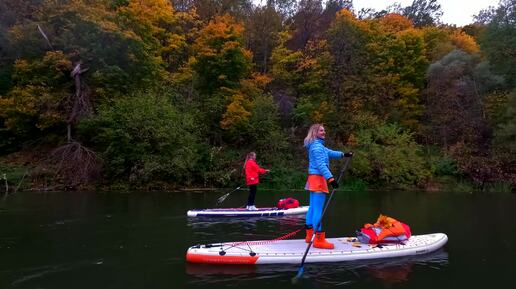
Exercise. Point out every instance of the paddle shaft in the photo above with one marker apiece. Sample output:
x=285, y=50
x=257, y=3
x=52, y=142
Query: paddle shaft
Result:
x=223, y=197
x=322, y=215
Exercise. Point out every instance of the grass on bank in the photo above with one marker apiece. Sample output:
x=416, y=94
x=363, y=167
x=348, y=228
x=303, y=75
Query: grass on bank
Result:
x=12, y=177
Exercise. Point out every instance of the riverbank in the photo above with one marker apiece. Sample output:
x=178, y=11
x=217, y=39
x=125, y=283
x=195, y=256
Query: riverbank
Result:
x=31, y=170
x=18, y=176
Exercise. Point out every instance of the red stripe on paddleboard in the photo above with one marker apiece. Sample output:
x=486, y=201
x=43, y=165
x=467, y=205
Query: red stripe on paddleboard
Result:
x=214, y=259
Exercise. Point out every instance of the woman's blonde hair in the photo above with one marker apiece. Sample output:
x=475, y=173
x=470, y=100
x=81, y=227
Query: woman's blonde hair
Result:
x=248, y=157
x=312, y=133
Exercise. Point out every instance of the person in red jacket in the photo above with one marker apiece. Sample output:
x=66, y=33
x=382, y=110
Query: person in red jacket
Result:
x=252, y=178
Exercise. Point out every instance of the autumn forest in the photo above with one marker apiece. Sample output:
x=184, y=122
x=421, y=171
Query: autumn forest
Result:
x=159, y=94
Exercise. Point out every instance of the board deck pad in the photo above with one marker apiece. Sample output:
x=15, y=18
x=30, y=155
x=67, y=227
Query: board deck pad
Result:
x=291, y=251
x=243, y=212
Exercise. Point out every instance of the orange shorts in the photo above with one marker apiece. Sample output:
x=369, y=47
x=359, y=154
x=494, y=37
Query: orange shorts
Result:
x=316, y=183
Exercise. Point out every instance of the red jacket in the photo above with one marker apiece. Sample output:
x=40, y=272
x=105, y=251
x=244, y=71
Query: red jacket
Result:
x=252, y=172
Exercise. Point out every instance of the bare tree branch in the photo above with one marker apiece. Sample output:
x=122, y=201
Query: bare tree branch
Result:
x=45, y=36
x=76, y=163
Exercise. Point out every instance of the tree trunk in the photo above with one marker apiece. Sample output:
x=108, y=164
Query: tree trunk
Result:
x=69, y=133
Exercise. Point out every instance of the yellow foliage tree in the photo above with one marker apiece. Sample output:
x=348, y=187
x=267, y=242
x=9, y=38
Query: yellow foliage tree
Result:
x=237, y=114
x=39, y=96
x=465, y=42
x=158, y=25
x=394, y=22
x=441, y=41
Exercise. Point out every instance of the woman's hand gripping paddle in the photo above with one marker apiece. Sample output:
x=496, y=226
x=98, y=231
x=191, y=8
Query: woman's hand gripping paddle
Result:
x=301, y=269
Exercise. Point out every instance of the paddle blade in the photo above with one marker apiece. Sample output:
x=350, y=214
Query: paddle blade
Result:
x=222, y=198
x=298, y=275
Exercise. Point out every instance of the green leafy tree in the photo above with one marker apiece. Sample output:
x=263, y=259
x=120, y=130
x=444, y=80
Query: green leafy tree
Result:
x=144, y=139
x=11, y=12
x=266, y=135
x=314, y=103
x=262, y=28
x=498, y=40
x=209, y=9
x=388, y=155
x=457, y=86
x=89, y=32
x=505, y=134
x=505, y=140
x=423, y=12
x=285, y=79
x=350, y=68
x=301, y=82
x=284, y=63
x=457, y=89
x=37, y=103
x=220, y=59
x=400, y=75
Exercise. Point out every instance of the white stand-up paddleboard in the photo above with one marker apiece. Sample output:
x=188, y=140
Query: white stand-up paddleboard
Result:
x=242, y=212
x=291, y=251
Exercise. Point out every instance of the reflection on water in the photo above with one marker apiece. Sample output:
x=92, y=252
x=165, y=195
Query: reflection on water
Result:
x=209, y=230
x=205, y=222
x=388, y=271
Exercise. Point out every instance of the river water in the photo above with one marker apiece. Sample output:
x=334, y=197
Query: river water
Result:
x=138, y=240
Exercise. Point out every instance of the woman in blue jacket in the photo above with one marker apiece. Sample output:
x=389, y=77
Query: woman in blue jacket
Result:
x=319, y=175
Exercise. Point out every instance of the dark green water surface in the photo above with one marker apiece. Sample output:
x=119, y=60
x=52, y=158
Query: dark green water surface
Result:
x=139, y=240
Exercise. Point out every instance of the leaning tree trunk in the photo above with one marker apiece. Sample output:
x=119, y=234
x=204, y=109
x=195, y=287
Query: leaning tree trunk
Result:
x=81, y=105
x=76, y=163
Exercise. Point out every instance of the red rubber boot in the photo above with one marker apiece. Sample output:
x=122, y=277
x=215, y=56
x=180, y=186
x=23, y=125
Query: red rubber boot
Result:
x=320, y=241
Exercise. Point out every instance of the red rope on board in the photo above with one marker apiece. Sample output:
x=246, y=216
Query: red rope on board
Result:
x=265, y=242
